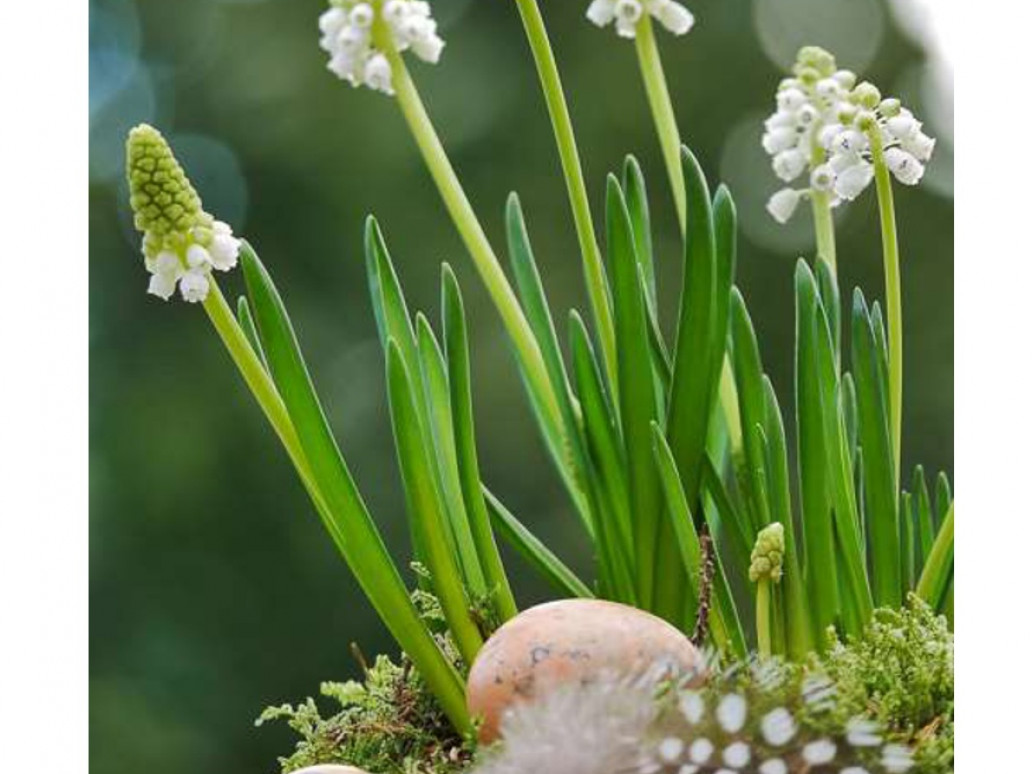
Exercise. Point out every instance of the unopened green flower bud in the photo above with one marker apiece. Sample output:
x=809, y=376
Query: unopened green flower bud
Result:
x=161, y=196
x=866, y=95
x=818, y=59
x=866, y=121
x=768, y=554
x=808, y=75
x=890, y=107
x=847, y=114
x=845, y=78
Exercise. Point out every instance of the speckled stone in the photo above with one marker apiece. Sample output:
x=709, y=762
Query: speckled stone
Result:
x=565, y=641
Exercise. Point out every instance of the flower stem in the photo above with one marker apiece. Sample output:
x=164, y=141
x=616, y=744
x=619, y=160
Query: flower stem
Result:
x=562, y=127
x=824, y=227
x=662, y=111
x=474, y=238
x=893, y=295
x=763, y=627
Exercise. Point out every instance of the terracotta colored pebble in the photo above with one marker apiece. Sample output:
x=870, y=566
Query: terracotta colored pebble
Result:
x=564, y=641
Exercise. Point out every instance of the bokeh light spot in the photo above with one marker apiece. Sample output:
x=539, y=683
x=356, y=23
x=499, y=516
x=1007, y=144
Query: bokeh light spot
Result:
x=217, y=175
x=851, y=29
x=745, y=168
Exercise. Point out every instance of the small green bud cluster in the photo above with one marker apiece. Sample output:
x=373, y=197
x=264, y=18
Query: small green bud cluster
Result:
x=768, y=554
x=162, y=198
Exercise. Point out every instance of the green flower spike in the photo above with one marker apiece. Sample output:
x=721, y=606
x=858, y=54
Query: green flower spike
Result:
x=765, y=568
x=181, y=242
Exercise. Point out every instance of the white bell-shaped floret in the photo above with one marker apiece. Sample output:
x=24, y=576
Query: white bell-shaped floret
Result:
x=789, y=164
x=919, y=145
x=194, y=286
x=822, y=178
x=780, y=139
x=601, y=12
x=782, y=205
x=851, y=181
x=377, y=74
x=907, y=169
x=674, y=17
x=362, y=15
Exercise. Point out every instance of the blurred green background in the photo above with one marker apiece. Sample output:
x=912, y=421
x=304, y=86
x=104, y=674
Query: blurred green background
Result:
x=213, y=588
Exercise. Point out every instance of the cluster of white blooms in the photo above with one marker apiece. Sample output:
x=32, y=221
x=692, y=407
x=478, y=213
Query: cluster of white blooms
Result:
x=829, y=127
x=625, y=15
x=348, y=27
x=181, y=242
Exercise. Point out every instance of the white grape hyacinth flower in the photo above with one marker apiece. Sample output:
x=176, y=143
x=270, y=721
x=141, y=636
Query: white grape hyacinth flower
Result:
x=625, y=15
x=182, y=244
x=348, y=36
x=829, y=127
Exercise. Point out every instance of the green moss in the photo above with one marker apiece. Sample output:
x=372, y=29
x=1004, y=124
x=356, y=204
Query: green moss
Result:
x=388, y=724
x=901, y=673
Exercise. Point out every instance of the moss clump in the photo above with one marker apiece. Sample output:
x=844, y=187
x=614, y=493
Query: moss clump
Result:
x=900, y=672
x=389, y=723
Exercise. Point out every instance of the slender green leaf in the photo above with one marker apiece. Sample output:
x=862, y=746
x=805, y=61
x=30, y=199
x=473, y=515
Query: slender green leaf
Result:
x=908, y=542
x=444, y=455
x=343, y=512
x=637, y=399
x=426, y=506
x=562, y=578
x=535, y=304
x=725, y=626
x=602, y=434
x=456, y=345
x=724, y=435
x=725, y=234
x=818, y=541
x=850, y=411
x=638, y=208
x=394, y=322
x=878, y=324
x=616, y=558
x=858, y=602
x=246, y=321
x=658, y=348
x=858, y=487
x=389, y=308
x=879, y=477
x=696, y=347
x=827, y=288
x=937, y=574
x=748, y=374
x=923, y=514
x=943, y=498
